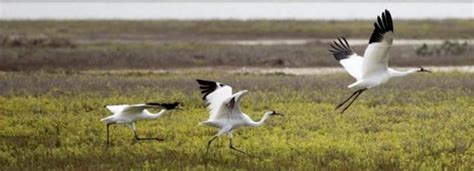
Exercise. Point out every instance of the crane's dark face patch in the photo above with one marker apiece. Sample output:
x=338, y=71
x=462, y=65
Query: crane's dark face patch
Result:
x=275, y=113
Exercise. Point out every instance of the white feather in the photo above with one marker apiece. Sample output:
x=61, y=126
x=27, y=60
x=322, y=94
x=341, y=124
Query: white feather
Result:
x=353, y=65
x=216, y=99
x=376, y=56
x=230, y=108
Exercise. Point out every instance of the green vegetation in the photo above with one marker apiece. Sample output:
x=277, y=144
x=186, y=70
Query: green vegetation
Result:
x=50, y=110
x=51, y=121
x=233, y=29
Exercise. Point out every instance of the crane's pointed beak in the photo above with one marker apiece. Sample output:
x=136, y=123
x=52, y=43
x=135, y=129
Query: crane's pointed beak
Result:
x=280, y=114
x=424, y=70
x=179, y=108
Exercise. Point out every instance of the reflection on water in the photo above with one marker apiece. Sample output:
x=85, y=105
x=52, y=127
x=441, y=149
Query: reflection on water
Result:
x=232, y=10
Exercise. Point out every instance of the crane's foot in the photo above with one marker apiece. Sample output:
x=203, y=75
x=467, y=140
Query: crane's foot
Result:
x=159, y=139
x=148, y=139
x=107, y=145
x=235, y=149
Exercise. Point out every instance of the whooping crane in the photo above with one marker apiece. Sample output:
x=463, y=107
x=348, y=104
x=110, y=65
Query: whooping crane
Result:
x=128, y=114
x=224, y=109
x=372, y=69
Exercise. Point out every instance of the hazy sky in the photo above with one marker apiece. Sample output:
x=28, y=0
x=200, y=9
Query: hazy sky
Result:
x=234, y=10
x=235, y=0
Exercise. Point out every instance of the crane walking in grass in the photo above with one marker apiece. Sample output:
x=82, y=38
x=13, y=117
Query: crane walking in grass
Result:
x=129, y=114
x=225, y=112
x=372, y=69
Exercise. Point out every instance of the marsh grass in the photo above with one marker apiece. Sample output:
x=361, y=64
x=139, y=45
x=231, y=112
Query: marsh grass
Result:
x=51, y=121
x=90, y=45
x=106, y=56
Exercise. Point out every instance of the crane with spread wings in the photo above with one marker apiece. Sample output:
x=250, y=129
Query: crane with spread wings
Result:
x=129, y=114
x=372, y=69
x=225, y=112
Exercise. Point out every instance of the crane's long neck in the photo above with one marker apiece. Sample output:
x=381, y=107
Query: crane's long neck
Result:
x=395, y=73
x=261, y=121
x=155, y=115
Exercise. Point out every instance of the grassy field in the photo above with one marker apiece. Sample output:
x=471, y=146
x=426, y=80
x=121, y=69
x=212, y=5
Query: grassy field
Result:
x=51, y=98
x=51, y=121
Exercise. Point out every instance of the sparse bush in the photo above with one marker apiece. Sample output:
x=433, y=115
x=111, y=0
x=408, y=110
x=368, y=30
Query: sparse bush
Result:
x=448, y=48
x=151, y=56
x=35, y=41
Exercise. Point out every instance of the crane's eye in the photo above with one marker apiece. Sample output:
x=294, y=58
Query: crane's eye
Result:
x=222, y=85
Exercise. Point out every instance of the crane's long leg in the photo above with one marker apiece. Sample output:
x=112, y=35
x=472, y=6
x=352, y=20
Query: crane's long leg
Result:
x=139, y=139
x=209, y=143
x=233, y=148
x=359, y=92
x=345, y=101
x=229, y=134
x=108, y=141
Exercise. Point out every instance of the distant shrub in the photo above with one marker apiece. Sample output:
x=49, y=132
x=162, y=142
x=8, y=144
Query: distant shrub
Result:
x=447, y=48
x=20, y=56
x=35, y=41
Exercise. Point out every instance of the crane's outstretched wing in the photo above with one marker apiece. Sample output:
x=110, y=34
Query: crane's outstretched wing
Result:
x=231, y=106
x=131, y=109
x=116, y=108
x=376, y=55
x=343, y=53
x=215, y=94
x=167, y=106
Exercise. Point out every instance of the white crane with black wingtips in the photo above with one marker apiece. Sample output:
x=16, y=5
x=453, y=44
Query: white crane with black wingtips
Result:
x=372, y=69
x=224, y=109
x=129, y=114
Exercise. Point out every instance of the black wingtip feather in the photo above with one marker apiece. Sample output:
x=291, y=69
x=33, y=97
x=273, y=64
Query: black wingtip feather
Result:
x=153, y=104
x=342, y=51
x=167, y=106
x=170, y=106
x=383, y=25
x=342, y=44
x=207, y=87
